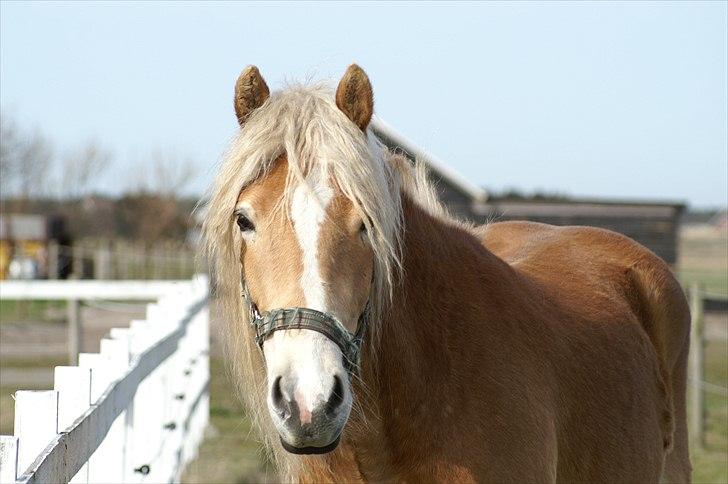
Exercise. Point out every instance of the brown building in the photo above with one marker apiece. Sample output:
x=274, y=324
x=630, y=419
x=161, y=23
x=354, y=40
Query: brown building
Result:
x=653, y=224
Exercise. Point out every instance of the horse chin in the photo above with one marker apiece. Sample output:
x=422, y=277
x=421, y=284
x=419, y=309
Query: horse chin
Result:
x=311, y=450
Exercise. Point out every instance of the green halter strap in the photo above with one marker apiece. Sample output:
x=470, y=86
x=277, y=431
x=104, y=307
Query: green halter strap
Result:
x=304, y=318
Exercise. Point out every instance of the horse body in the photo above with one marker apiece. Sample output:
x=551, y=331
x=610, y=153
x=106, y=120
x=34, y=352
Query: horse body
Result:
x=518, y=353
x=511, y=352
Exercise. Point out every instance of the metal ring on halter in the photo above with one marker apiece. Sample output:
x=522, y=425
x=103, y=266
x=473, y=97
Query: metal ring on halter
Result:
x=305, y=318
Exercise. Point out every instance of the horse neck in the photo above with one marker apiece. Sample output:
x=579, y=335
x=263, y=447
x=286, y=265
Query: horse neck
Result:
x=446, y=274
x=439, y=299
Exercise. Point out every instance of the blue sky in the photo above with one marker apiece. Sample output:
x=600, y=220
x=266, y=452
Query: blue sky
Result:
x=619, y=100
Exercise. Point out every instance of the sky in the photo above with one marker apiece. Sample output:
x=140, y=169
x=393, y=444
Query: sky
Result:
x=599, y=99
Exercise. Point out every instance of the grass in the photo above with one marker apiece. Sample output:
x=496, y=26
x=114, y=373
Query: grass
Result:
x=710, y=462
x=230, y=453
x=704, y=260
x=32, y=310
x=36, y=362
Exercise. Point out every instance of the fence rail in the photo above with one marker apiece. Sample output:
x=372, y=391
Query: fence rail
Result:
x=134, y=412
x=89, y=289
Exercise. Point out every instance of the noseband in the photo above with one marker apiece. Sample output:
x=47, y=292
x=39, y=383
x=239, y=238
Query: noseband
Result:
x=283, y=319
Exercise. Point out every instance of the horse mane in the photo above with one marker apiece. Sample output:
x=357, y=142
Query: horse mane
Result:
x=304, y=122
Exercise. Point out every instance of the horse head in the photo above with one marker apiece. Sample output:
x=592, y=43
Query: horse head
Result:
x=313, y=228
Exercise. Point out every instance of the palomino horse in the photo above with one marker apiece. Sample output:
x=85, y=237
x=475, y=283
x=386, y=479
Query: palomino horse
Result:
x=390, y=342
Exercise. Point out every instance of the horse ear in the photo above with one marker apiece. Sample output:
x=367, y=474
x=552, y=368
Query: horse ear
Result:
x=354, y=96
x=251, y=92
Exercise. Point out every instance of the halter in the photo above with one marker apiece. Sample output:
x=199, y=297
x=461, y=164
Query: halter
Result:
x=305, y=318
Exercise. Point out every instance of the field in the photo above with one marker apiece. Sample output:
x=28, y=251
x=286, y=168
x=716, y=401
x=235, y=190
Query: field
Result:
x=704, y=260
x=231, y=452
x=710, y=463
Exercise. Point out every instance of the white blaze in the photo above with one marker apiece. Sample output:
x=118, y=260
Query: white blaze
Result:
x=308, y=211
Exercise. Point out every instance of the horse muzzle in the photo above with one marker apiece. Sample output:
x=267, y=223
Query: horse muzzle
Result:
x=307, y=427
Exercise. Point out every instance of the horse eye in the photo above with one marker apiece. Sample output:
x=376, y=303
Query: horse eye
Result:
x=245, y=224
x=363, y=228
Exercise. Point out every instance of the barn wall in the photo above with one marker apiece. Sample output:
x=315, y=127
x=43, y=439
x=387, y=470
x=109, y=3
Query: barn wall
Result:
x=653, y=225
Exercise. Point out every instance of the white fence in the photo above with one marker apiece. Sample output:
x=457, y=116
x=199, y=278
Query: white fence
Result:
x=134, y=412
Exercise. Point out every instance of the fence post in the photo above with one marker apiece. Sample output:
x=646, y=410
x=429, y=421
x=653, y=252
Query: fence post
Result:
x=73, y=385
x=36, y=424
x=53, y=259
x=77, y=262
x=102, y=263
x=697, y=405
x=74, y=330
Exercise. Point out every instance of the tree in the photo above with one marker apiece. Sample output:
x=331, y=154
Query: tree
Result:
x=25, y=160
x=151, y=209
x=81, y=170
x=9, y=151
x=165, y=174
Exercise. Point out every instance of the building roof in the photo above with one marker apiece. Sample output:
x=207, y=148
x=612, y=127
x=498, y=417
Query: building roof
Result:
x=396, y=141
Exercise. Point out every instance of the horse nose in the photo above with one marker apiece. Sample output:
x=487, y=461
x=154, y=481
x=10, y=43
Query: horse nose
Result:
x=280, y=404
x=336, y=398
x=293, y=405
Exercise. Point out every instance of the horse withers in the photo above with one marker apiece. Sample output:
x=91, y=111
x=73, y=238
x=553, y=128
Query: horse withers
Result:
x=375, y=338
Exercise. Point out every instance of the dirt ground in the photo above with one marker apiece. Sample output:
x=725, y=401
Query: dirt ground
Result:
x=26, y=345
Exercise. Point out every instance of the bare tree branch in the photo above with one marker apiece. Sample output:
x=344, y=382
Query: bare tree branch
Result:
x=9, y=154
x=166, y=174
x=24, y=161
x=82, y=168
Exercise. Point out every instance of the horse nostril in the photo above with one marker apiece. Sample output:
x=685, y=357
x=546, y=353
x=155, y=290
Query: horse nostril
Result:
x=337, y=395
x=279, y=403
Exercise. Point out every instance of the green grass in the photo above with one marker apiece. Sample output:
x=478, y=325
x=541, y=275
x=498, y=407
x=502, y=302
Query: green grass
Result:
x=711, y=281
x=704, y=261
x=710, y=463
x=36, y=362
x=231, y=454
x=32, y=310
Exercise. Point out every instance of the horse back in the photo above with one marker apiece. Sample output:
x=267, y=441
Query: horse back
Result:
x=603, y=283
x=601, y=266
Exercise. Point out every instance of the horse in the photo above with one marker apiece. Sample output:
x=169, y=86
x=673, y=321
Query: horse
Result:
x=374, y=337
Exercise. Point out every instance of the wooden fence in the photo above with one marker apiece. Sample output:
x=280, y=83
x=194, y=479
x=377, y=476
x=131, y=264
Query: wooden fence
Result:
x=700, y=301
x=88, y=259
x=134, y=412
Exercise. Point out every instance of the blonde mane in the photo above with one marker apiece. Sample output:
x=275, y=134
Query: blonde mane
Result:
x=304, y=123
